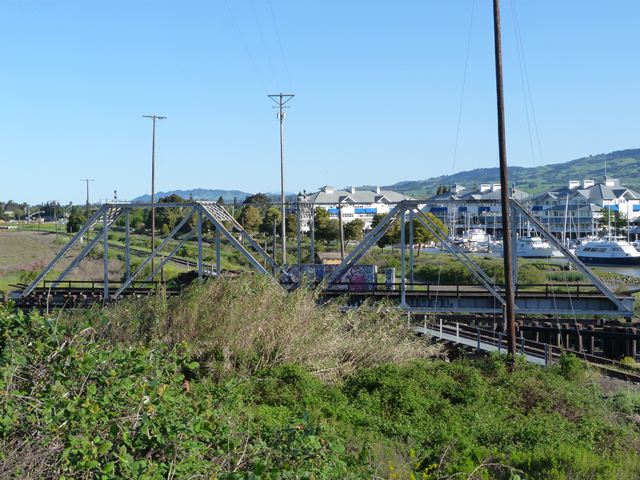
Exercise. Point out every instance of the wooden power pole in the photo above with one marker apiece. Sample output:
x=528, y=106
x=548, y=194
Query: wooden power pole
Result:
x=504, y=188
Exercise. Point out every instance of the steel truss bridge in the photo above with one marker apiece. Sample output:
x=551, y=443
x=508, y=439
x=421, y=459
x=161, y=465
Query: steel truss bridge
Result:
x=485, y=297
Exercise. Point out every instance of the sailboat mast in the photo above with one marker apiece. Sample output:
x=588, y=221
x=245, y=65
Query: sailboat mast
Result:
x=504, y=187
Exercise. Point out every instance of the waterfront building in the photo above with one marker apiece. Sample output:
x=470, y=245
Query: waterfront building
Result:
x=354, y=203
x=580, y=208
x=461, y=209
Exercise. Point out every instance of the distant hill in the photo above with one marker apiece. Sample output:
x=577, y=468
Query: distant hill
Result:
x=198, y=194
x=623, y=165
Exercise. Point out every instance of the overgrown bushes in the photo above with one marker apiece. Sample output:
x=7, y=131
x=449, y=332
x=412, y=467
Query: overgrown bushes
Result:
x=249, y=323
x=239, y=380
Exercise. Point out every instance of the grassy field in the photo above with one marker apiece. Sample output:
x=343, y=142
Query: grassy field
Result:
x=24, y=254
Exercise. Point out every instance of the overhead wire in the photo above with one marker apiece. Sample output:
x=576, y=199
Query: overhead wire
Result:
x=279, y=39
x=247, y=50
x=520, y=44
x=274, y=71
x=522, y=85
x=464, y=83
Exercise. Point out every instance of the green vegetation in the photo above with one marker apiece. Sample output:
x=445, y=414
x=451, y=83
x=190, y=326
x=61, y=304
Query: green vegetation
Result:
x=237, y=379
x=623, y=165
x=77, y=218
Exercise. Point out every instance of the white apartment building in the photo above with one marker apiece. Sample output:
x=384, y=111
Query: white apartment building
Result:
x=461, y=208
x=355, y=204
x=579, y=208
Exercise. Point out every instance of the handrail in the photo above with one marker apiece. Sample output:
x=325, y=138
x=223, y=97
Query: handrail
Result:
x=531, y=347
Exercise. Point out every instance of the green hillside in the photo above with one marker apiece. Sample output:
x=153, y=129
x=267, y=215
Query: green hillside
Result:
x=623, y=165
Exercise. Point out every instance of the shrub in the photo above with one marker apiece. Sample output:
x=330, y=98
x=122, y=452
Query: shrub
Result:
x=251, y=323
x=205, y=387
x=571, y=367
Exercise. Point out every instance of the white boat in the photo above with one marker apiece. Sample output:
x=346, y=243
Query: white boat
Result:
x=610, y=250
x=535, y=247
x=473, y=240
x=529, y=247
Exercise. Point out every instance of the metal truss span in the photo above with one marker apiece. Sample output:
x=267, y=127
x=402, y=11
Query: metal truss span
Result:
x=486, y=296
x=224, y=224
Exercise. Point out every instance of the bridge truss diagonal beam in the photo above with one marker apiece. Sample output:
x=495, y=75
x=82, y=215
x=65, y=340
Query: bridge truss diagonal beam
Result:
x=76, y=261
x=571, y=257
x=167, y=258
x=218, y=216
x=465, y=259
x=236, y=244
x=369, y=240
x=154, y=253
x=83, y=230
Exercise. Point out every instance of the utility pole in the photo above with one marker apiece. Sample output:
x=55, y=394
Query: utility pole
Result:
x=341, y=227
x=87, y=180
x=504, y=188
x=281, y=99
x=153, y=184
x=55, y=217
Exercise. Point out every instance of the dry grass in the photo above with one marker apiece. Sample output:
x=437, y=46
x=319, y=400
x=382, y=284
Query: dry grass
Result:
x=24, y=254
x=250, y=324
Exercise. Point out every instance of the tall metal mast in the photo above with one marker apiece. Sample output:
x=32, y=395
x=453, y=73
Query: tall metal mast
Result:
x=504, y=187
x=281, y=99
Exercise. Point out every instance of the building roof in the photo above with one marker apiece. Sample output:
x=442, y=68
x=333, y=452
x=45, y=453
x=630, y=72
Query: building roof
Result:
x=595, y=193
x=478, y=195
x=573, y=207
x=331, y=195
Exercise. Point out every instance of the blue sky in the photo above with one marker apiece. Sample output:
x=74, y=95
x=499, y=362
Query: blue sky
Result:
x=378, y=87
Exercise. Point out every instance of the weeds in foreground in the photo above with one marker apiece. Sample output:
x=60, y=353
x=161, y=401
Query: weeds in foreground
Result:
x=249, y=323
x=129, y=393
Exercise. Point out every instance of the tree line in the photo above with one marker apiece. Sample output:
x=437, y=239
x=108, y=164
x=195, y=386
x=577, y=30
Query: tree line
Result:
x=258, y=216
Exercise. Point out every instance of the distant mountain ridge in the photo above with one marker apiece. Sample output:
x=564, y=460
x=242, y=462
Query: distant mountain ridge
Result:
x=198, y=194
x=623, y=165
x=211, y=194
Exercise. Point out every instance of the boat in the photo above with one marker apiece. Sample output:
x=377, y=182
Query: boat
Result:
x=610, y=250
x=527, y=247
x=473, y=240
x=535, y=247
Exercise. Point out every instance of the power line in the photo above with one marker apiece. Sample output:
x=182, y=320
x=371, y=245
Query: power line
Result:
x=275, y=27
x=524, y=92
x=246, y=45
x=274, y=71
x=526, y=79
x=464, y=82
